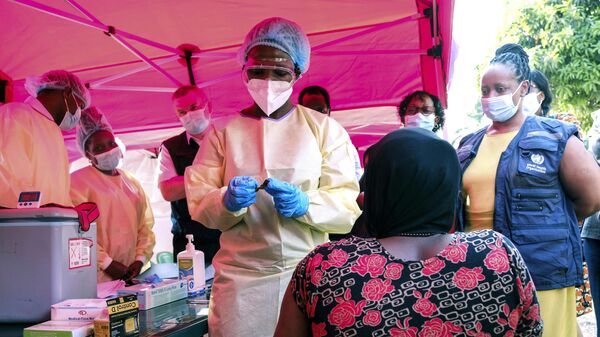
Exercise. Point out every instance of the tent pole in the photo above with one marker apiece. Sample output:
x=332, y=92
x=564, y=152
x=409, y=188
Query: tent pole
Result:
x=437, y=60
x=135, y=88
x=219, y=79
x=76, y=19
x=117, y=64
x=367, y=31
x=188, y=62
x=83, y=11
x=163, y=89
x=372, y=52
x=94, y=84
x=143, y=57
x=127, y=45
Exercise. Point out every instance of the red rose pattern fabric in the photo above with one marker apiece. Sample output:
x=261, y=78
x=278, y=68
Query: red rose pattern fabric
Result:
x=477, y=286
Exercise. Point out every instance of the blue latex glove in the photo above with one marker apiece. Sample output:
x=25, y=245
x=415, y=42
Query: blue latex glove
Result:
x=289, y=200
x=152, y=279
x=241, y=193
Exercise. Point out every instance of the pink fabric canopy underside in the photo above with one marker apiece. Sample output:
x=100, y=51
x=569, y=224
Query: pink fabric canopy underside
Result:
x=366, y=53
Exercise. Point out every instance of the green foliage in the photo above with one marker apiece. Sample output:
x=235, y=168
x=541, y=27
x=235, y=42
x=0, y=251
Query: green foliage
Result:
x=562, y=38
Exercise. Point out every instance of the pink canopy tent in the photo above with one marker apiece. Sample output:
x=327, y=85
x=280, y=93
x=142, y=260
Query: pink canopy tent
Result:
x=366, y=53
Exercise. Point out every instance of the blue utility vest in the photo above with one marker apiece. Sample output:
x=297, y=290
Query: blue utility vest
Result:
x=530, y=206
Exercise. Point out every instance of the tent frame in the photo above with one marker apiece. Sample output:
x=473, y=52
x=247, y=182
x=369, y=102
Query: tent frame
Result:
x=121, y=37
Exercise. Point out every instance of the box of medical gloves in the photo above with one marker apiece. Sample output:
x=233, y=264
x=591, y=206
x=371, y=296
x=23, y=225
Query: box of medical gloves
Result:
x=77, y=309
x=152, y=295
x=121, y=320
x=60, y=329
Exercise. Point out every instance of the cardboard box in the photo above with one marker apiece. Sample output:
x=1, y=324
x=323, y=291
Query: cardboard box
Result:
x=77, y=310
x=122, y=319
x=154, y=295
x=60, y=329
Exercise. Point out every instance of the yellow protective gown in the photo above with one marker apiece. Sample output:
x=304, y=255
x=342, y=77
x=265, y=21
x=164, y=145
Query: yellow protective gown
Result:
x=125, y=222
x=33, y=156
x=259, y=247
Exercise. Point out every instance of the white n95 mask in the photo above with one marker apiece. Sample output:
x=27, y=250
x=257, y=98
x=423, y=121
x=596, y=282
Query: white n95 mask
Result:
x=69, y=120
x=420, y=120
x=531, y=104
x=269, y=95
x=109, y=160
x=499, y=108
x=195, y=121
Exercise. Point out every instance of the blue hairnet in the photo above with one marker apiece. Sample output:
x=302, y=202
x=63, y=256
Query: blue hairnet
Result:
x=58, y=79
x=92, y=120
x=282, y=34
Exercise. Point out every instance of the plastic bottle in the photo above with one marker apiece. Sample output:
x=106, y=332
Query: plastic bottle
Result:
x=191, y=268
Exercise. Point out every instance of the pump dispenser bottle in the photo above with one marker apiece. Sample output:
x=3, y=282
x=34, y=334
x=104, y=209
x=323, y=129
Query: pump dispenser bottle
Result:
x=191, y=268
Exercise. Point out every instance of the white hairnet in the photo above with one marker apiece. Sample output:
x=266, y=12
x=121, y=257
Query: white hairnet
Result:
x=282, y=34
x=92, y=120
x=58, y=79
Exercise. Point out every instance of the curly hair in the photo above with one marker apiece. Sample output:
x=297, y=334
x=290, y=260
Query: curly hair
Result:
x=437, y=104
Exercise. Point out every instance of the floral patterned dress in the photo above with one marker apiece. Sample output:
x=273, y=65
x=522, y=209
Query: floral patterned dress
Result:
x=477, y=286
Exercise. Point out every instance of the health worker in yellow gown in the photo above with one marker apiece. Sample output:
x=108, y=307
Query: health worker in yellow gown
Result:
x=33, y=156
x=125, y=237
x=308, y=163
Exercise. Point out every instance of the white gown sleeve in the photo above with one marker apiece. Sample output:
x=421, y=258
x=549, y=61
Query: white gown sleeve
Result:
x=204, y=186
x=333, y=207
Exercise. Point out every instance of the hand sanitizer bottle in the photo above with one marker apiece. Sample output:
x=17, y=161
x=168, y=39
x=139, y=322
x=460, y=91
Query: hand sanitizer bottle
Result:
x=191, y=268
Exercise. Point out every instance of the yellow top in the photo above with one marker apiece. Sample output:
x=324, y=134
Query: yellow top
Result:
x=125, y=221
x=33, y=156
x=558, y=308
x=479, y=181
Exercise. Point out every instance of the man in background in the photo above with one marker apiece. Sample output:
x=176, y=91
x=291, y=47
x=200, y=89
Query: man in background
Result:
x=316, y=98
x=192, y=108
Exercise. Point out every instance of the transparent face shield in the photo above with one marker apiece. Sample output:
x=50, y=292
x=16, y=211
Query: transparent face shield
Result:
x=268, y=69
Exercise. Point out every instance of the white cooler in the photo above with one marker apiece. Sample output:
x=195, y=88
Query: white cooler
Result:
x=44, y=259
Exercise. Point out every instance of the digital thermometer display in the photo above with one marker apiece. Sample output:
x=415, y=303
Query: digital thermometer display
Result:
x=29, y=199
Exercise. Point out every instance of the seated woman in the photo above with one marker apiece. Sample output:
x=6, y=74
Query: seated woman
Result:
x=125, y=237
x=422, y=110
x=412, y=278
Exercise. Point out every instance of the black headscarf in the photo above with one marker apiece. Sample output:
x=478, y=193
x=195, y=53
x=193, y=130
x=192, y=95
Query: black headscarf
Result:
x=411, y=184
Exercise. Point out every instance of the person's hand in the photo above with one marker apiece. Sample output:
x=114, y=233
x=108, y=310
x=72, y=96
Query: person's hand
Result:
x=241, y=193
x=289, y=200
x=116, y=270
x=133, y=270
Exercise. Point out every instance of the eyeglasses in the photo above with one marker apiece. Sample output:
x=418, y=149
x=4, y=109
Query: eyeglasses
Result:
x=263, y=71
x=426, y=110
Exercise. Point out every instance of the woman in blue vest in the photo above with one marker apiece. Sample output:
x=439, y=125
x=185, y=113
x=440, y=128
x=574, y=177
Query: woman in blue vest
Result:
x=530, y=178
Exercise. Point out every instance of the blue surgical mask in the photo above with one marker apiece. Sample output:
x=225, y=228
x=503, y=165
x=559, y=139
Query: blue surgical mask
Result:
x=109, y=160
x=420, y=120
x=500, y=108
x=195, y=121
